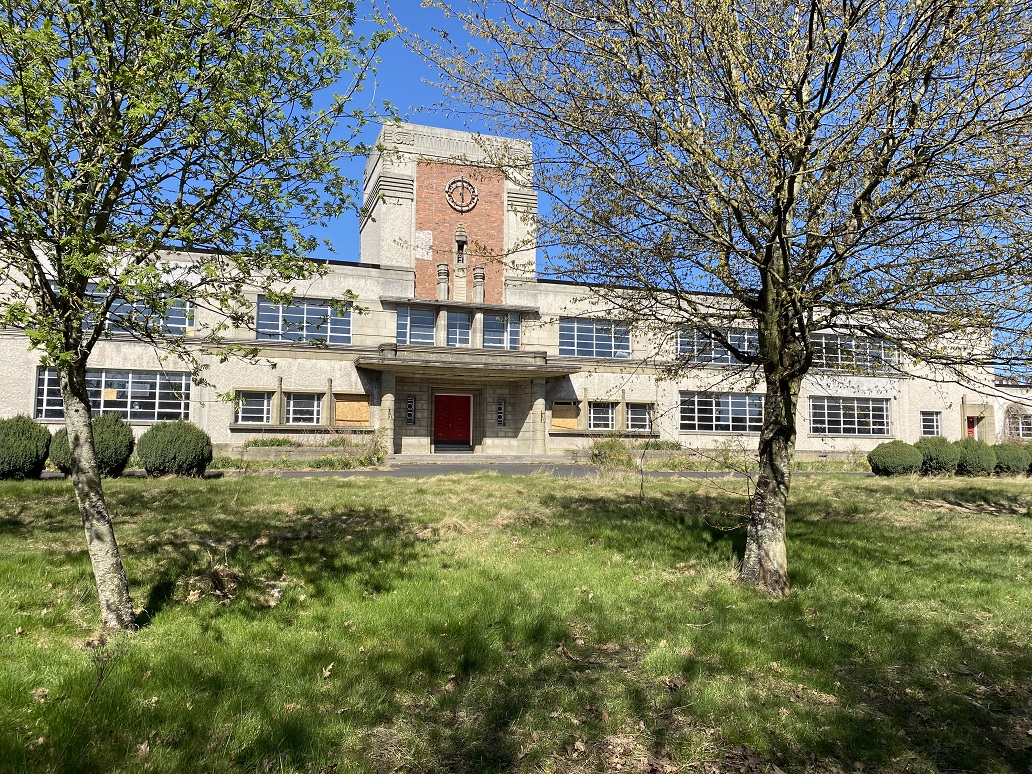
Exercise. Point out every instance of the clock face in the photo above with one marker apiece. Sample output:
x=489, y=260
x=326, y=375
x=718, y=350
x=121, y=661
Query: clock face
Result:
x=461, y=194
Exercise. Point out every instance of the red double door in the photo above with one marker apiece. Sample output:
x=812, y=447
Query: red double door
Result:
x=453, y=419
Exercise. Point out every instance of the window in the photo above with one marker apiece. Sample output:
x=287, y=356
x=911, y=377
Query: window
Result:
x=416, y=326
x=565, y=415
x=721, y=412
x=852, y=353
x=1019, y=424
x=580, y=337
x=303, y=408
x=136, y=396
x=849, y=416
x=410, y=410
x=602, y=416
x=254, y=408
x=701, y=346
x=138, y=315
x=639, y=417
x=930, y=423
x=304, y=320
x=502, y=331
x=458, y=329
x=350, y=410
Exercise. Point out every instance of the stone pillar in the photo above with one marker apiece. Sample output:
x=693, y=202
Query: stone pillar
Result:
x=442, y=282
x=478, y=284
x=387, y=389
x=537, y=419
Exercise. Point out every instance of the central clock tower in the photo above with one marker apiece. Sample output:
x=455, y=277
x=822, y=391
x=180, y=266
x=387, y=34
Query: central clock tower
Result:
x=450, y=206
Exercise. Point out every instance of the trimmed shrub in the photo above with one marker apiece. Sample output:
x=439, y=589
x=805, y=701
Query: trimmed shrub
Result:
x=939, y=456
x=1012, y=459
x=23, y=448
x=112, y=439
x=174, y=448
x=894, y=458
x=977, y=458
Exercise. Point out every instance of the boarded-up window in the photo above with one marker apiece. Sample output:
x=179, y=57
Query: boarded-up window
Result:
x=350, y=410
x=564, y=415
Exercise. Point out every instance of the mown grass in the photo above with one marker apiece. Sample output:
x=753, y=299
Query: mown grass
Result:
x=484, y=623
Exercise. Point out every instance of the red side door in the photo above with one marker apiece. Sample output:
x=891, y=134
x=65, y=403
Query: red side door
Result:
x=453, y=420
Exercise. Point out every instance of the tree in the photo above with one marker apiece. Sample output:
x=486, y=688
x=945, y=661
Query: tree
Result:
x=855, y=166
x=127, y=127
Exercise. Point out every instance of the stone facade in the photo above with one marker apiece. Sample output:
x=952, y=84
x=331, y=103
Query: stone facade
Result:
x=421, y=252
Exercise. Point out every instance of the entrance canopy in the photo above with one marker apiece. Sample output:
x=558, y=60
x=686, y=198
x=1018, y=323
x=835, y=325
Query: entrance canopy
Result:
x=479, y=364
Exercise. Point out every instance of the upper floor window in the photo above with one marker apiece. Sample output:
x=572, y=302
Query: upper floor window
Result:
x=701, y=346
x=852, y=353
x=730, y=412
x=583, y=337
x=502, y=331
x=416, y=326
x=458, y=329
x=303, y=320
x=136, y=396
x=849, y=416
x=175, y=319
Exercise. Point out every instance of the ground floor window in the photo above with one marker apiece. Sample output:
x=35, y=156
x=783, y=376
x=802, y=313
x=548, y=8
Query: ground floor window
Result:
x=254, y=408
x=1019, y=425
x=930, y=424
x=849, y=416
x=602, y=416
x=303, y=408
x=730, y=412
x=564, y=415
x=136, y=396
x=639, y=417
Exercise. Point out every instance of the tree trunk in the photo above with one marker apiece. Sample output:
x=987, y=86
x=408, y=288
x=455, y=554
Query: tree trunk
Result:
x=116, y=606
x=766, y=558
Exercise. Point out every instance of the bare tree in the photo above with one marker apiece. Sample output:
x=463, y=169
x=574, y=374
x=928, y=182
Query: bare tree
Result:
x=125, y=127
x=855, y=166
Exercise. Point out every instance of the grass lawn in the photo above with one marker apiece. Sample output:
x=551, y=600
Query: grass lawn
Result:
x=483, y=623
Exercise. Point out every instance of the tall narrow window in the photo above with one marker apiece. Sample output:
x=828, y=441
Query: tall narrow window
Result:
x=502, y=331
x=458, y=329
x=639, y=417
x=416, y=326
x=601, y=416
x=930, y=423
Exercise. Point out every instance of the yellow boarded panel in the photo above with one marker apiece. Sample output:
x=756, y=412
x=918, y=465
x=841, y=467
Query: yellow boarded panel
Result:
x=564, y=416
x=351, y=409
x=111, y=393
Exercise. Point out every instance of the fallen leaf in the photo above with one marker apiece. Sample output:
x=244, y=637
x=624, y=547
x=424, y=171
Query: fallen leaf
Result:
x=19, y=631
x=193, y=596
x=328, y=671
x=142, y=749
x=40, y=694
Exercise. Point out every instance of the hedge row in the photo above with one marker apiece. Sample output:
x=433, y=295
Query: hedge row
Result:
x=167, y=448
x=937, y=456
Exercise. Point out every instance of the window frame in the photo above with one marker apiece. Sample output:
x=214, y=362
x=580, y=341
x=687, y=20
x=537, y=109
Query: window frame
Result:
x=459, y=327
x=509, y=336
x=856, y=403
x=290, y=411
x=699, y=345
x=305, y=320
x=936, y=417
x=427, y=336
x=649, y=417
x=849, y=353
x=265, y=405
x=588, y=337
x=743, y=412
x=607, y=411
x=169, y=394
